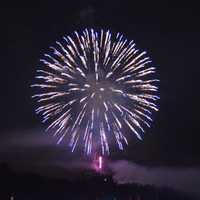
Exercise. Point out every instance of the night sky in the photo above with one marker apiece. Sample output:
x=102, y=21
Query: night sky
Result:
x=169, y=32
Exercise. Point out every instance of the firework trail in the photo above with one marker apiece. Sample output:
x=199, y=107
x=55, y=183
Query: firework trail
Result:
x=92, y=86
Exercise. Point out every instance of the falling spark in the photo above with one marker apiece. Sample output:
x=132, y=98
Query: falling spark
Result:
x=94, y=86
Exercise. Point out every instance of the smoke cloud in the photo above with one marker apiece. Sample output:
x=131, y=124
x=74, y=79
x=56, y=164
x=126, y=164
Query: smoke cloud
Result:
x=181, y=179
x=33, y=151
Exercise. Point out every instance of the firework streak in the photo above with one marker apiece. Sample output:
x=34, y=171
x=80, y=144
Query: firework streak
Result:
x=93, y=86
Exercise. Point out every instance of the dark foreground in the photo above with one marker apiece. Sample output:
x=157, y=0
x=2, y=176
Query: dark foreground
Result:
x=24, y=186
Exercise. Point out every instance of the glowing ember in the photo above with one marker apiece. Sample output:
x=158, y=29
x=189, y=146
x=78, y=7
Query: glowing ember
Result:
x=100, y=162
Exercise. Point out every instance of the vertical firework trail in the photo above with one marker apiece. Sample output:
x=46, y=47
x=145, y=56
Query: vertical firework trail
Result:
x=92, y=86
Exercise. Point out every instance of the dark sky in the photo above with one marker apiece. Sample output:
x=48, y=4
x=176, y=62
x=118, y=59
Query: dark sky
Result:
x=170, y=32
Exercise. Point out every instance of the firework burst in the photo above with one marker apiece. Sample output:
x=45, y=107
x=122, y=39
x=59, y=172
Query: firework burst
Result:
x=92, y=86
